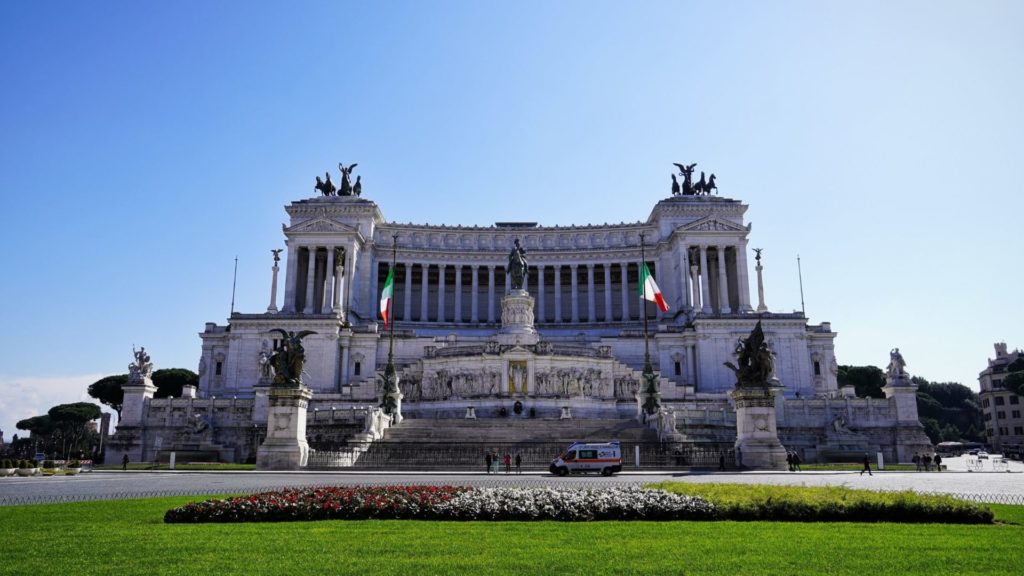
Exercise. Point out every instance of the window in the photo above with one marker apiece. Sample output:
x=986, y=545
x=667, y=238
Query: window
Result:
x=989, y=432
x=997, y=383
x=588, y=454
x=357, y=369
x=817, y=368
x=1014, y=399
x=984, y=403
x=218, y=368
x=1000, y=401
x=1015, y=414
x=988, y=416
x=1002, y=431
x=571, y=455
x=679, y=368
x=1001, y=415
x=1018, y=430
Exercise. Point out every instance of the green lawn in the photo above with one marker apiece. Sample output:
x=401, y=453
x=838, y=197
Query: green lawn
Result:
x=196, y=466
x=129, y=537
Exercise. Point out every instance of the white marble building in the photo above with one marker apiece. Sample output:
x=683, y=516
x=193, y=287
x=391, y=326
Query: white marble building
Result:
x=588, y=348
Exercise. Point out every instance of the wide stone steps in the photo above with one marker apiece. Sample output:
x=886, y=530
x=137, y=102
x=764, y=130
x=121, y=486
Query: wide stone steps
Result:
x=517, y=430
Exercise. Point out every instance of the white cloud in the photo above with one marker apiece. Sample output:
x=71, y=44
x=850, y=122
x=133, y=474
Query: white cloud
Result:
x=24, y=397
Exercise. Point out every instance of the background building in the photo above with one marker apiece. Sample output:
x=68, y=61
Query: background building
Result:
x=1001, y=408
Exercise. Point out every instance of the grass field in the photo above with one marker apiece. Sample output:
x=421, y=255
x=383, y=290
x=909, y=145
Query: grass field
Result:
x=196, y=466
x=129, y=537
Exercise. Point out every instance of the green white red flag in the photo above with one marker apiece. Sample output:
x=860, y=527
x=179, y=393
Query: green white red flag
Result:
x=649, y=288
x=386, y=296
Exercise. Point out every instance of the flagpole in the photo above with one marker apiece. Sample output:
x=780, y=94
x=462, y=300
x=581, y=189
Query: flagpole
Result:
x=651, y=403
x=392, y=396
x=643, y=302
x=391, y=314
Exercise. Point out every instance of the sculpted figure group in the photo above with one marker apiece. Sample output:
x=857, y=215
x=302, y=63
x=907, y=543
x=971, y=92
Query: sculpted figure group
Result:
x=327, y=188
x=287, y=361
x=756, y=363
x=688, y=188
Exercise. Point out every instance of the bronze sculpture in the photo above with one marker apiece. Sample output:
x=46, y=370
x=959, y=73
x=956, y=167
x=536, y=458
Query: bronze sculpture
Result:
x=686, y=171
x=346, y=179
x=289, y=358
x=675, y=186
x=357, y=188
x=517, y=265
x=326, y=188
x=711, y=185
x=756, y=362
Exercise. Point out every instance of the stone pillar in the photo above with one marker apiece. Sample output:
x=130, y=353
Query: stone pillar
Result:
x=329, y=281
x=558, y=293
x=458, y=293
x=490, y=294
x=684, y=271
x=695, y=280
x=757, y=438
x=742, y=278
x=591, y=301
x=291, y=280
x=508, y=281
x=625, y=291
x=541, y=316
x=474, y=300
x=407, y=297
x=351, y=284
x=440, y=292
x=285, y=446
x=374, y=267
x=723, y=283
x=424, y=291
x=517, y=319
x=345, y=342
x=760, y=289
x=575, y=294
x=310, y=279
x=705, y=293
x=273, y=288
x=608, y=292
x=338, y=285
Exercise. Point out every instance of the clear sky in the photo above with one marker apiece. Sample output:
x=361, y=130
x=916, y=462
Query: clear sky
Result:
x=145, y=145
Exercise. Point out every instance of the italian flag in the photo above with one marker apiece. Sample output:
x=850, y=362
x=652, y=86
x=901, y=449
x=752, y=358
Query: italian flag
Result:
x=386, y=296
x=649, y=288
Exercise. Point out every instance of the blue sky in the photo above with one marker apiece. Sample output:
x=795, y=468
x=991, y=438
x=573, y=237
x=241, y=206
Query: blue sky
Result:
x=144, y=145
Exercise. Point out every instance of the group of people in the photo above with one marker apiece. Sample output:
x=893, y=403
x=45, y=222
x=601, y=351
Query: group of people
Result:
x=793, y=461
x=926, y=461
x=493, y=459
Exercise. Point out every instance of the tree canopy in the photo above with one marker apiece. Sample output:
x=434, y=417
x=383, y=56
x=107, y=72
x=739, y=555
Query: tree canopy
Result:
x=170, y=381
x=1014, y=381
x=866, y=380
x=110, y=391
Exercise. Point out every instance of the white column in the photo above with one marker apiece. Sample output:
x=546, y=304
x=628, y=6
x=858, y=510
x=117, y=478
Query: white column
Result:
x=440, y=292
x=684, y=271
x=474, y=300
x=424, y=291
x=338, y=287
x=695, y=285
x=508, y=281
x=760, y=289
x=705, y=294
x=407, y=297
x=607, y=292
x=575, y=295
x=558, y=293
x=742, y=279
x=458, y=293
x=291, y=280
x=490, y=294
x=374, y=283
x=310, y=279
x=625, y=290
x=351, y=285
x=273, y=287
x=329, y=281
x=591, y=300
x=723, y=283
x=540, y=293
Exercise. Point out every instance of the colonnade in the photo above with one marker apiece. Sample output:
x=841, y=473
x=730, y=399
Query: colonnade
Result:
x=317, y=279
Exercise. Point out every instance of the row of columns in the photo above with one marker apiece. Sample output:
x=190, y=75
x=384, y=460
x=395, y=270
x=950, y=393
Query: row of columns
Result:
x=323, y=289
x=707, y=291
x=539, y=277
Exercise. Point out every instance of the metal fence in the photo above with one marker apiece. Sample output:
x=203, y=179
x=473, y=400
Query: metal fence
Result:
x=534, y=455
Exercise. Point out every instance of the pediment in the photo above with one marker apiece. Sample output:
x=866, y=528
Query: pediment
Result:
x=713, y=224
x=321, y=225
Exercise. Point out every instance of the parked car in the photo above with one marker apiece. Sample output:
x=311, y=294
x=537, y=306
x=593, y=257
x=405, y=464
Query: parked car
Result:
x=605, y=457
x=982, y=455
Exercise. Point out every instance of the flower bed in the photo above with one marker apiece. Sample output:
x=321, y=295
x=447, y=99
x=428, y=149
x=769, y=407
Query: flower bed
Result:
x=447, y=503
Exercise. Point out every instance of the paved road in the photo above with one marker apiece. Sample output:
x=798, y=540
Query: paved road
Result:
x=105, y=485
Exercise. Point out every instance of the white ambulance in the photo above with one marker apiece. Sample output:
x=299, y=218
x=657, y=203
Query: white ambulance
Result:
x=603, y=457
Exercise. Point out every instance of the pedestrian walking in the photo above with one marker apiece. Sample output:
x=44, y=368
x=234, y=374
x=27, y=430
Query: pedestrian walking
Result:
x=487, y=460
x=721, y=460
x=917, y=462
x=867, y=466
x=519, y=463
x=789, y=460
x=124, y=462
x=938, y=463
x=927, y=462
x=508, y=463
x=796, y=462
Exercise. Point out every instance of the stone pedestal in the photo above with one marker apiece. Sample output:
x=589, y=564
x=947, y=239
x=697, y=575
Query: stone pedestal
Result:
x=517, y=319
x=757, y=437
x=285, y=446
x=130, y=437
x=910, y=436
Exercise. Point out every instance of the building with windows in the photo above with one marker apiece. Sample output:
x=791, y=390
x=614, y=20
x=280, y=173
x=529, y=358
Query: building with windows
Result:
x=579, y=354
x=1001, y=409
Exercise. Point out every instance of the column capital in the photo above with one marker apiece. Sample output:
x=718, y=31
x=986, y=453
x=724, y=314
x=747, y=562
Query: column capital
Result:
x=574, y=266
x=590, y=266
x=474, y=266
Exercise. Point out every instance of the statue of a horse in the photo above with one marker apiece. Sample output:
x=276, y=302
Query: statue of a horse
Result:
x=326, y=188
x=711, y=185
x=701, y=187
